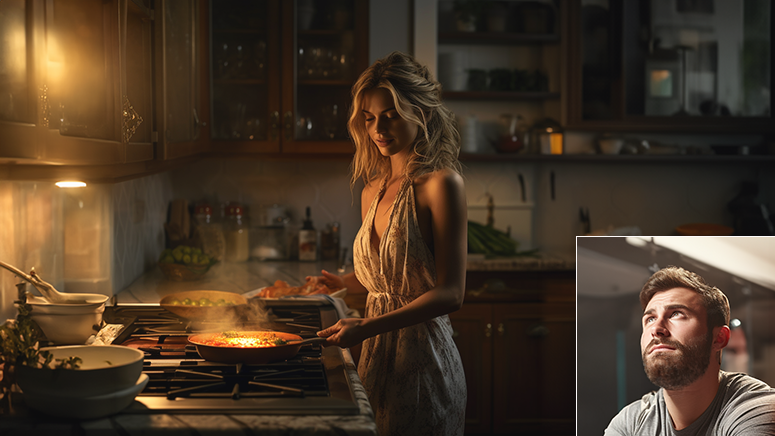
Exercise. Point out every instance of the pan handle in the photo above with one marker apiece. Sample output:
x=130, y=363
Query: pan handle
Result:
x=308, y=341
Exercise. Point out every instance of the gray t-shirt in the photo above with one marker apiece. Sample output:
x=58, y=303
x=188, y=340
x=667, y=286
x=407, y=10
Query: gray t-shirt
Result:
x=743, y=406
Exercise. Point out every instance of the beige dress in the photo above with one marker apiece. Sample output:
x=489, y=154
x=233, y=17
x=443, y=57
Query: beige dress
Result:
x=413, y=376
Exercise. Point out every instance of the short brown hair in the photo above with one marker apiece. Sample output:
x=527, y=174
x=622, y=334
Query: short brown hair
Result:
x=715, y=302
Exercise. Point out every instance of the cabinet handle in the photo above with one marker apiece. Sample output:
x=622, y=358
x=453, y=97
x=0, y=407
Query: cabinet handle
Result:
x=288, y=126
x=455, y=333
x=501, y=329
x=488, y=330
x=274, y=122
x=196, y=119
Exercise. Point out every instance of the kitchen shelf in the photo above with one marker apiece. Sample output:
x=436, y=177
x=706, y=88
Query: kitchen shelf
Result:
x=496, y=38
x=324, y=82
x=324, y=32
x=499, y=95
x=621, y=158
x=239, y=81
x=240, y=31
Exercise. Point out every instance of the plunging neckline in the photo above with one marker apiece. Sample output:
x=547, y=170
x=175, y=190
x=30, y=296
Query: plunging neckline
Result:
x=375, y=206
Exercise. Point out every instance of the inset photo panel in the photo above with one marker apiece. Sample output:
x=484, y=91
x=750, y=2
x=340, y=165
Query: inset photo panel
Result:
x=675, y=333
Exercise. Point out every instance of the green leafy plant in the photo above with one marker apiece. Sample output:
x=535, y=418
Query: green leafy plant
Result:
x=20, y=341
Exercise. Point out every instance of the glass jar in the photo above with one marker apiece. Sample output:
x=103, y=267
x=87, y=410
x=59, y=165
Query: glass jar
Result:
x=237, y=234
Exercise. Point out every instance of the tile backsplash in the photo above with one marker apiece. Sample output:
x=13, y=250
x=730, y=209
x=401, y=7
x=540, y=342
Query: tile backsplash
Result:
x=139, y=213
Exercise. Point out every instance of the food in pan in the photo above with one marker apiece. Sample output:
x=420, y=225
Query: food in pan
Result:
x=235, y=339
x=282, y=288
x=201, y=302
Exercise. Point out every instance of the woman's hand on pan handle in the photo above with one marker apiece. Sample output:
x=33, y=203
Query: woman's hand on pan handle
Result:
x=346, y=332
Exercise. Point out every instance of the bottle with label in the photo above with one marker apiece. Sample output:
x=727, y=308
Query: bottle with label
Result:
x=308, y=240
x=237, y=234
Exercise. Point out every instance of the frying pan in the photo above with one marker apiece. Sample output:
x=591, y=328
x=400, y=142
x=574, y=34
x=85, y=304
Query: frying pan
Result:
x=255, y=355
x=203, y=312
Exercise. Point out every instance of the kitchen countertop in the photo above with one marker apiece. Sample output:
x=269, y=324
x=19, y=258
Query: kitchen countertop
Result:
x=29, y=423
x=231, y=277
x=242, y=278
x=540, y=262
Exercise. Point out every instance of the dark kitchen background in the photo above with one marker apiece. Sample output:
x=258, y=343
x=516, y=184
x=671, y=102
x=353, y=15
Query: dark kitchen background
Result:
x=611, y=272
x=577, y=117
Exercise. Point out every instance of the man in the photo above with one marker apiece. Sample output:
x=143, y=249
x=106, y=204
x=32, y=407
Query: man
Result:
x=685, y=327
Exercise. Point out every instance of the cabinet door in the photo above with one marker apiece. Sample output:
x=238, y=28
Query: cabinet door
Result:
x=671, y=66
x=97, y=82
x=182, y=59
x=19, y=45
x=473, y=332
x=325, y=48
x=534, y=368
x=245, y=65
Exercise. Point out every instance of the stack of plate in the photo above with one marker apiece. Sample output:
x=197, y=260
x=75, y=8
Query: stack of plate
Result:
x=107, y=381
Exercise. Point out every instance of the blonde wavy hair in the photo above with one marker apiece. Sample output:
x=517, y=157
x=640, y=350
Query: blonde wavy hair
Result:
x=417, y=98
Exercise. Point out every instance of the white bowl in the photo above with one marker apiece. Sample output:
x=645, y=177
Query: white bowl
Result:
x=86, y=407
x=82, y=299
x=104, y=369
x=610, y=145
x=67, y=324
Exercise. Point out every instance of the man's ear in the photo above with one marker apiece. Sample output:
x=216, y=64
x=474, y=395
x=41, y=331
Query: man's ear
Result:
x=720, y=337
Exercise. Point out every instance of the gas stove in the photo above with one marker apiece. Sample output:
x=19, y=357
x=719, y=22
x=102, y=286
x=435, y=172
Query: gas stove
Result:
x=314, y=382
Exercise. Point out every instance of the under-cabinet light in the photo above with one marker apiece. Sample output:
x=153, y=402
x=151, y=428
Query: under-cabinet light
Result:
x=70, y=184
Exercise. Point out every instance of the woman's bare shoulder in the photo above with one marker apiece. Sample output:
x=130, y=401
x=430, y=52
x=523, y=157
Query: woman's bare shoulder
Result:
x=440, y=181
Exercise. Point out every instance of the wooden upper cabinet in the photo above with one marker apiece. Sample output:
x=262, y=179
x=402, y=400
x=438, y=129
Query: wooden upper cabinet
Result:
x=282, y=74
x=19, y=42
x=182, y=73
x=88, y=87
x=670, y=66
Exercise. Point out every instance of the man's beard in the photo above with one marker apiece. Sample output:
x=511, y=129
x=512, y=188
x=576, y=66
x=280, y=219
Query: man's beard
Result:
x=679, y=368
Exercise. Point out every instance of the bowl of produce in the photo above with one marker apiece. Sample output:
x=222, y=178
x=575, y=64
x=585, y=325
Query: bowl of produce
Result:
x=184, y=263
x=98, y=370
x=67, y=324
x=204, y=304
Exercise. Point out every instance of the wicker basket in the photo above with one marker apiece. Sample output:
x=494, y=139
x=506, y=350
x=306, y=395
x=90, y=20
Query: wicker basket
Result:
x=179, y=272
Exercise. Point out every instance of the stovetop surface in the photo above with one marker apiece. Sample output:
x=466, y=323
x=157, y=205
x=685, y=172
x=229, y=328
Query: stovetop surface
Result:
x=314, y=381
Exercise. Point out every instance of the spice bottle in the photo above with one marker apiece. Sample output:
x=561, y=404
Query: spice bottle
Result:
x=237, y=234
x=308, y=238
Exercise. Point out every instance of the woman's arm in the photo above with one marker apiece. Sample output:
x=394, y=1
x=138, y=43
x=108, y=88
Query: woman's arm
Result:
x=445, y=196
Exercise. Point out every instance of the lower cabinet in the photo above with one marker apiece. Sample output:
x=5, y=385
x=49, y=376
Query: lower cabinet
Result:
x=519, y=361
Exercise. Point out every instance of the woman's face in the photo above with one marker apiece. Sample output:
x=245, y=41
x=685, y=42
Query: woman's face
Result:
x=391, y=133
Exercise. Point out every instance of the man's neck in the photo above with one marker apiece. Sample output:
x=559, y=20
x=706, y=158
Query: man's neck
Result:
x=687, y=404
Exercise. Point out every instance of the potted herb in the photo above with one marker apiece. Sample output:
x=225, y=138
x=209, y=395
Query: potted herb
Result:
x=20, y=343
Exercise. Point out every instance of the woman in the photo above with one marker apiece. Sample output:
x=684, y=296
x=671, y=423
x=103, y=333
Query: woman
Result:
x=410, y=253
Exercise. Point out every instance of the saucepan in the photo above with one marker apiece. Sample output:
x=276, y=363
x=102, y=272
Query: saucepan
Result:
x=230, y=347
